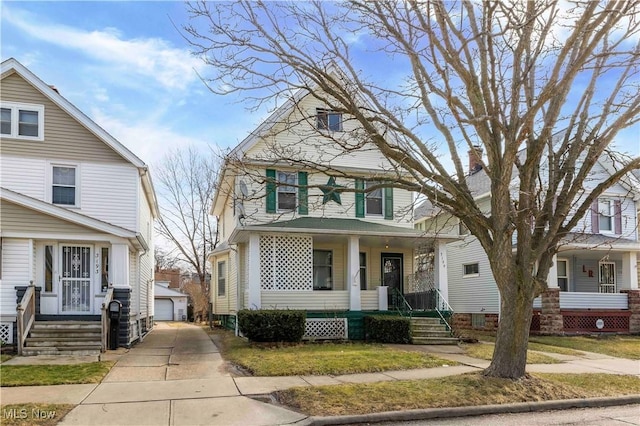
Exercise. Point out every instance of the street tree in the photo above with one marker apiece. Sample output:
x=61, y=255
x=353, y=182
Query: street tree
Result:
x=542, y=87
x=185, y=183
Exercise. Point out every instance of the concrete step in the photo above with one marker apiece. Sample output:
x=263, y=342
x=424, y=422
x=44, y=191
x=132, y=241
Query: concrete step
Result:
x=50, y=350
x=428, y=327
x=67, y=325
x=432, y=333
x=435, y=340
x=60, y=342
x=61, y=334
x=425, y=320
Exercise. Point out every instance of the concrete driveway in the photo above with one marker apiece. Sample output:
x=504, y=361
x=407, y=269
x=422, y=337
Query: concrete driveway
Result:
x=175, y=377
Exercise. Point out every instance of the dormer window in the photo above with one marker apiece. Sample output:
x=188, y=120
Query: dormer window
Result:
x=22, y=121
x=329, y=120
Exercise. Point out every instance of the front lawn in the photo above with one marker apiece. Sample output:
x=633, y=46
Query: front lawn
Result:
x=40, y=375
x=5, y=357
x=455, y=391
x=319, y=358
x=618, y=346
x=485, y=351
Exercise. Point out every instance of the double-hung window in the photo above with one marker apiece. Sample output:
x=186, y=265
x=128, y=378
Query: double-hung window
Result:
x=374, y=200
x=322, y=270
x=563, y=274
x=363, y=271
x=222, y=278
x=286, y=191
x=22, y=121
x=605, y=215
x=328, y=120
x=64, y=186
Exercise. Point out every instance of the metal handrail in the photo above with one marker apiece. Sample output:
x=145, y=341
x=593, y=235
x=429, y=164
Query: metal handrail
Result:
x=105, y=317
x=26, y=314
x=395, y=292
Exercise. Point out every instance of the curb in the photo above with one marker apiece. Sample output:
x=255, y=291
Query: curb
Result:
x=450, y=412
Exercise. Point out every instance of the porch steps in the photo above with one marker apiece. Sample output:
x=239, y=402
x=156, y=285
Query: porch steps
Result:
x=429, y=331
x=64, y=338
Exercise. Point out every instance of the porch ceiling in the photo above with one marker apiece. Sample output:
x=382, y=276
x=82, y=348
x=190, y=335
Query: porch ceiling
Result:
x=327, y=229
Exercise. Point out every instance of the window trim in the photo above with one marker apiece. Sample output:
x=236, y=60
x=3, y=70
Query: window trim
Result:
x=473, y=274
x=325, y=125
x=366, y=197
x=330, y=287
x=223, y=279
x=15, y=108
x=49, y=184
x=567, y=276
x=610, y=216
x=280, y=186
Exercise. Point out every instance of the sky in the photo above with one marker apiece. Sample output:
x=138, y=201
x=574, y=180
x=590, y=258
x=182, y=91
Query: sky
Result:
x=126, y=65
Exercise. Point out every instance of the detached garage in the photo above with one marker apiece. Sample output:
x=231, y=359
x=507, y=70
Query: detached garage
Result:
x=169, y=304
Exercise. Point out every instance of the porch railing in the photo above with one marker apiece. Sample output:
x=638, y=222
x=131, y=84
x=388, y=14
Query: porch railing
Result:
x=422, y=294
x=399, y=302
x=26, y=315
x=105, y=318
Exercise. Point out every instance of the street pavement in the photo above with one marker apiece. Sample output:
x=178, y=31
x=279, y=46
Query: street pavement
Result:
x=176, y=376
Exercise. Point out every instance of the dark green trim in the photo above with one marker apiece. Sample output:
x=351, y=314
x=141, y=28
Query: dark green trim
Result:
x=359, y=198
x=303, y=193
x=388, y=203
x=271, y=191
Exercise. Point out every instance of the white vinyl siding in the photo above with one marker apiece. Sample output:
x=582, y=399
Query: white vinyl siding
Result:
x=318, y=300
x=15, y=272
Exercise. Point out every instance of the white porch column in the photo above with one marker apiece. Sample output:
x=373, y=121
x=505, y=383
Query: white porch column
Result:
x=440, y=269
x=119, y=272
x=552, y=276
x=253, y=276
x=629, y=277
x=353, y=273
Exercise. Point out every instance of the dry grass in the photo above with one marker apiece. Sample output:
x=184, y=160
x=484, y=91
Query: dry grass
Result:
x=5, y=357
x=319, y=358
x=533, y=345
x=485, y=351
x=40, y=375
x=455, y=391
x=618, y=346
x=33, y=414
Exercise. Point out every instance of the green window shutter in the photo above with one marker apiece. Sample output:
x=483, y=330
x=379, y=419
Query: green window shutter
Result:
x=388, y=203
x=359, y=198
x=303, y=193
x=271, y=191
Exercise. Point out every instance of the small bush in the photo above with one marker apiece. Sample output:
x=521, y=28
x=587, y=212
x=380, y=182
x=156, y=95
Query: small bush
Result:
x=388, y=329
x=272, y=325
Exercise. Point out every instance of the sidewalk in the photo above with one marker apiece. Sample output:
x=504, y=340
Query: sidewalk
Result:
x=177, y=377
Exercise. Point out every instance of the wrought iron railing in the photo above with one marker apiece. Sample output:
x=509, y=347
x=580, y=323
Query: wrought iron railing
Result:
x=422, y=294
x=26, y=315
x=105, y=318
x=398, y=302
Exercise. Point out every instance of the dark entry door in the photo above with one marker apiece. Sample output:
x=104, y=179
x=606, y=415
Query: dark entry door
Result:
x=392, y=277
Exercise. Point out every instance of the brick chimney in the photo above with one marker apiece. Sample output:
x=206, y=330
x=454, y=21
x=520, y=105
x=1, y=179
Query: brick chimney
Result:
x=475, y=159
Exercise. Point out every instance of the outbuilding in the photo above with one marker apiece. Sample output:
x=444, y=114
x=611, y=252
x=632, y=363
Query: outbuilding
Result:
x=169, y=304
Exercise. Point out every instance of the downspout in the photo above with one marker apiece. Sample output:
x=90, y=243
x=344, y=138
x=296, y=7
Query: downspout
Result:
x=238, y=293
x=138, y=322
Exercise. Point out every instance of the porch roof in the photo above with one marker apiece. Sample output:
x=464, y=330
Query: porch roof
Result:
x=335, y=226
x=599, y=242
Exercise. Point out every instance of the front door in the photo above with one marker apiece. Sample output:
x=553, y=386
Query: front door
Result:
x=392, y=277
x=75, y=279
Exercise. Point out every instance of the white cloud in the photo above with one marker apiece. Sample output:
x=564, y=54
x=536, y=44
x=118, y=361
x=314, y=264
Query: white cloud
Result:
x=151, y=58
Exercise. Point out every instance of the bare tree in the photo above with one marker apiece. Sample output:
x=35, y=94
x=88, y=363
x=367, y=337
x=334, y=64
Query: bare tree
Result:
x=542, y=87
x=163, y=260
x=185, y=183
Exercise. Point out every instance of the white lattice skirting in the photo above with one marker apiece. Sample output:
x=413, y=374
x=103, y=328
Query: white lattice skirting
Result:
x=326, y=328
x=286, y=263
x=6, y=332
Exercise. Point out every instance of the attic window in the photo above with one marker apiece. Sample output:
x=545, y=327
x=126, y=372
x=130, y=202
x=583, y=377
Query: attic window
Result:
x=22, y=121
x=329, y=120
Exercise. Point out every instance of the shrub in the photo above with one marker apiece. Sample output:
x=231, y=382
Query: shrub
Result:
x=272, y=325
x=387, y=329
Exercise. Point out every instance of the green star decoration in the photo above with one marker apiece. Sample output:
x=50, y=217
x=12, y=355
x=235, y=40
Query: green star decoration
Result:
x=331, y=191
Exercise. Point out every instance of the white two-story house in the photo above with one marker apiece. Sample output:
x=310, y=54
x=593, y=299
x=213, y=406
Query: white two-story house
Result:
x=305, y=224
x=593, y=284
x=77, y=219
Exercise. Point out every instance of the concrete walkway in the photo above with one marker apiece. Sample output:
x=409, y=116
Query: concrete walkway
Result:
x=177, y=377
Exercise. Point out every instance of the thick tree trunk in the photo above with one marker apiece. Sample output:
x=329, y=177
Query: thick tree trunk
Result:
x=510, y=353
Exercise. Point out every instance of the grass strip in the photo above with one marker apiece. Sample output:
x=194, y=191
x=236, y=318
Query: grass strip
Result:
x=41, y=375
x=320, y=358
x=5, y=357
x=618, y=346
x=33, y=414
x=455, y=391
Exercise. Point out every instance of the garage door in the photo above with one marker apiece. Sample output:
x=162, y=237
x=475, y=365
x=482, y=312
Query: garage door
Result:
x=163, y=310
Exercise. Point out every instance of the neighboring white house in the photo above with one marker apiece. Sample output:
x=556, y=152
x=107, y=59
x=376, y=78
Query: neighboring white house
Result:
x=77, y=214
x=169, y=304
x=594, y=276
x=294, y=237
